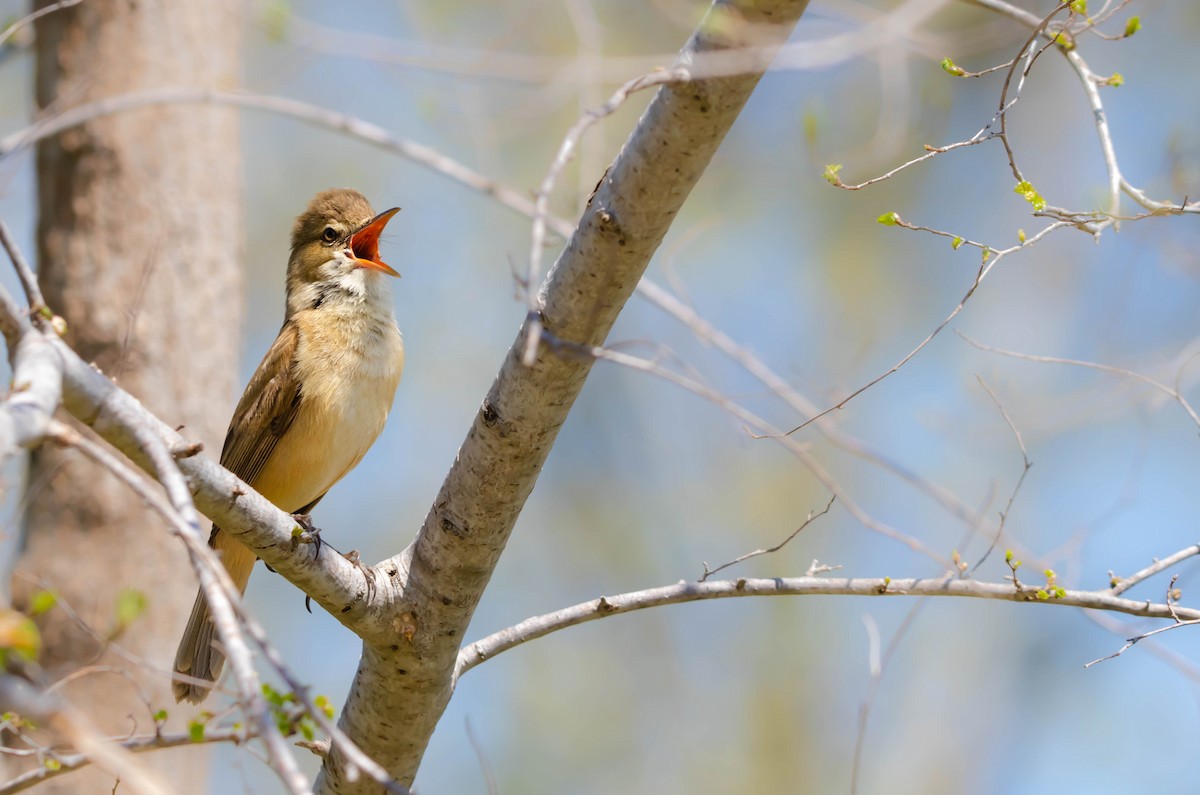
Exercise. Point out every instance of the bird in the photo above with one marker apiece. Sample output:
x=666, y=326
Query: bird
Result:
x=318, y=399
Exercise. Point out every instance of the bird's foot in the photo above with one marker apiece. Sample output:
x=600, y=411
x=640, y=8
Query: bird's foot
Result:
x=368, y=572
x=307, y=533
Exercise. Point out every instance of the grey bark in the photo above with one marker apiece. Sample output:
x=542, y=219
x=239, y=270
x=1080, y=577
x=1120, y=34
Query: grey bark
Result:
x=403, y=681
x=139, y=230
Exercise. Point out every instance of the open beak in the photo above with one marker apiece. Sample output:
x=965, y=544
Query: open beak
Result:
x=365, y=243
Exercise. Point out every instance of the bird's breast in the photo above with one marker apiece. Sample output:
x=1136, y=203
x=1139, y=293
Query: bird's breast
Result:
x=348, y=369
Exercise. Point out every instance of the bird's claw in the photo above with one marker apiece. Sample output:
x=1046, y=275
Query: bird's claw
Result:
x=368, y=572
x=308, y=533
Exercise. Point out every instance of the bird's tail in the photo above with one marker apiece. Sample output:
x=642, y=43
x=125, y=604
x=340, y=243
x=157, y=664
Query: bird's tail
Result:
x=199, y=656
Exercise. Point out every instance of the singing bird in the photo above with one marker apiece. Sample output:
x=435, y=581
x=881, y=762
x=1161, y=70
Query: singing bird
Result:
x=319, y=398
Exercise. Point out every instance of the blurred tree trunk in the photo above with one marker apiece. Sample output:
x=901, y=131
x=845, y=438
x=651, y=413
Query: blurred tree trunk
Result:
x=139, y=248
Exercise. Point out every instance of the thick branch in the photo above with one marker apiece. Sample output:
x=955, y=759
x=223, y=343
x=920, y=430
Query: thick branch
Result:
x=404, y=678
x=34, y=396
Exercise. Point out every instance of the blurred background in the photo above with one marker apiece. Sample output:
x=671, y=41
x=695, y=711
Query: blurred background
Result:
x=647, y=482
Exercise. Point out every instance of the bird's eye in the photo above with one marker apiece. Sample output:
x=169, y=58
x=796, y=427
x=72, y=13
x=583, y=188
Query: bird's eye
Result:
x=329, y=235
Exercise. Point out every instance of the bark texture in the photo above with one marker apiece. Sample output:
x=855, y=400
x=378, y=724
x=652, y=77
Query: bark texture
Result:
x=403, y=681
x=139, y=236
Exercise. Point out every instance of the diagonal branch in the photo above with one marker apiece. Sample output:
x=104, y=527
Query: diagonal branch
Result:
x=404, y=678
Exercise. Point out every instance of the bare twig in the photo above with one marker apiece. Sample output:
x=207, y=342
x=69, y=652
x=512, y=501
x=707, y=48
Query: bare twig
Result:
x=759, y=428
x=18, y=695
x=877, y=666
x=69, y=762
x=222, y=597
x=1131, y=642
x=707, y=333
x=1122, y=584
x=807, y=521
x=541, y=203
x=1181, y=663
x=29, y=19
x=1026, y=464
x=33, y=292
x=1173, y=392
x=489, y=777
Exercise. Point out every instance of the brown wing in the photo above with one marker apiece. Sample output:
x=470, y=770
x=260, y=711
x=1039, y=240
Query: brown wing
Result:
x=266, y=410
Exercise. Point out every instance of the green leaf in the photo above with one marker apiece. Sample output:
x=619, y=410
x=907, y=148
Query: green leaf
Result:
x=1116, y=81
x=272, y=696
x=160, y=716
x=956, y=243
x=951, y=68
x=196, y=731
x=52, y=764
x=889, y=219
x=1008, y=556
x=322, y=703
x=42, y=602
x=831, y=173
x=275, y=20
x=1079, y=6
x=1133, y=26
x=1030, y=195
x=1041, y=594
x=1021, y=235
x=131, y=603
x=810, y=124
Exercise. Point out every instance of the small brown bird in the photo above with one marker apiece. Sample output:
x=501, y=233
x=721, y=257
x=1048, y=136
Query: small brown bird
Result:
x=320, y=396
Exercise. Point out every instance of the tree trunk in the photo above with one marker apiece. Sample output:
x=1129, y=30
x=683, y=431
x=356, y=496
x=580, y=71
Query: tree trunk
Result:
x=139, y=237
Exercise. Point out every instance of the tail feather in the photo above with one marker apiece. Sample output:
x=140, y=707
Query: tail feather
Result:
x=198, y=657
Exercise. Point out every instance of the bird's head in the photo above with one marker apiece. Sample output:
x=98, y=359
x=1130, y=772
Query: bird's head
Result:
x=335, y=249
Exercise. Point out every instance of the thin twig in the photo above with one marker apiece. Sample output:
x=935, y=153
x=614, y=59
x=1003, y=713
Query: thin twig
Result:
x=808, y=520
x=222, y=597
x=759, y=428
x=877, y=666
x=537, y=237
x=1122, y=584
x=1173, y=393
x=8, y=32
x=67, y=763
x=49, y=710
x=1131, y=642
x=33, y=292
x=1026, y=464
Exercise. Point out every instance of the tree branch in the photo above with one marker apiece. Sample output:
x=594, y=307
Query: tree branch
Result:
x=68, y=763
x=403, y=681
x=684, y=591
x=18, y=695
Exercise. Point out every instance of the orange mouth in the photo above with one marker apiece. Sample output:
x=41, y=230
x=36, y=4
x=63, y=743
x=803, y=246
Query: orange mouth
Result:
x=365, y=243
